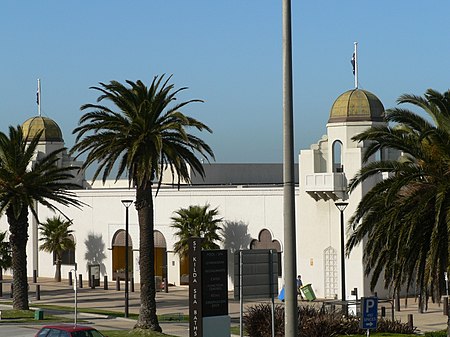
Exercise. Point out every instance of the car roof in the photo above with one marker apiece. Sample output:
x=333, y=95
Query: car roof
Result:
x=68, y=327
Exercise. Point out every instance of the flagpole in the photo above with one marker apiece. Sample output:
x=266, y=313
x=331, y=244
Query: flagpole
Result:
x=38, y=96
x=356, y=64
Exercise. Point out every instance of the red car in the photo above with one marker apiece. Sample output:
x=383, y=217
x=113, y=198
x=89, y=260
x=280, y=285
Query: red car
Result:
x=68, y=330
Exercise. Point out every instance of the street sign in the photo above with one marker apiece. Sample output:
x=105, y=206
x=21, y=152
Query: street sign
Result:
x=369, y=312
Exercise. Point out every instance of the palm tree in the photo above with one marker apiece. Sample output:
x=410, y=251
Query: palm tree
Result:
x=406, y=215
x=196, y=221
x=55, y=237
x=145, y=132
x=23, y=184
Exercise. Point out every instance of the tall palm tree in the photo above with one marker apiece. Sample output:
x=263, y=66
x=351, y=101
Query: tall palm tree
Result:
x=23, y=184
x=144, y=131
x=406, y=215
x=196, y=221
x=55, y=239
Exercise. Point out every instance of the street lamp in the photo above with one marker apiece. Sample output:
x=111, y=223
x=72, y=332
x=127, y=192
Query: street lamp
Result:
x=341, y=206
x=127, y=204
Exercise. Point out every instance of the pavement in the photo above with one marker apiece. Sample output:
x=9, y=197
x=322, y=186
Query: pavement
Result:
x=174, y=302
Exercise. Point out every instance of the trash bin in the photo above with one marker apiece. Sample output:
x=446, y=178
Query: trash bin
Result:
x=39, y=314
x=308, y=292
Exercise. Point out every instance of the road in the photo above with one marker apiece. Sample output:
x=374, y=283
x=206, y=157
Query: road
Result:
x=12, y=330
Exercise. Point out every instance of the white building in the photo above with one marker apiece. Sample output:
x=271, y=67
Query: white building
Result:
x=249, y=197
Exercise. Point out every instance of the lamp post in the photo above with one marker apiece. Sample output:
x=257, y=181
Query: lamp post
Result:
x=341, y=206
x=127, y=204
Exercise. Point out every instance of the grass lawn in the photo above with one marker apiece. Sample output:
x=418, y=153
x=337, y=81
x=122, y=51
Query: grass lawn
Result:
x=384, y=334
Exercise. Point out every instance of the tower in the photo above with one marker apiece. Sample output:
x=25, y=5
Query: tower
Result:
x=325, y=170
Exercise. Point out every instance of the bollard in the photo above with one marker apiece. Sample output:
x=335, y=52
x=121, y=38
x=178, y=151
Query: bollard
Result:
x=166, y=286
x=70, y=278
x=80, y=281
x=445, y=306
x=410, y=321
x=132, y=285
x=117, y=283
x=93, y=282
x=38, y=292
x=105, y=282
x=34, y=276
x=383, y=311
x=12, y=289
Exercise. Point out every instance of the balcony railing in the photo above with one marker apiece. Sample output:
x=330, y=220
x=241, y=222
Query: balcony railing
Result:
x=326, y=186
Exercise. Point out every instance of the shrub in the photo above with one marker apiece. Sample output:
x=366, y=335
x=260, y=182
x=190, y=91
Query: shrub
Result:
x=313, y=322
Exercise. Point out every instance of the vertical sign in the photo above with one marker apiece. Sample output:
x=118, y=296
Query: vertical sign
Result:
x=369, y=312
x=215, y=283
x=195, y=288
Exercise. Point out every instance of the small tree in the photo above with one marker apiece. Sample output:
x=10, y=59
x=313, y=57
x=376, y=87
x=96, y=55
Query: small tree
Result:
x=5, y=253
x=198, y=221
x=55, y=237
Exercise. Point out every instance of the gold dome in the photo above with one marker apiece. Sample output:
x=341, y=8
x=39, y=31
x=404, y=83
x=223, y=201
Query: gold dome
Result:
x=51, y=133
x=357, y=105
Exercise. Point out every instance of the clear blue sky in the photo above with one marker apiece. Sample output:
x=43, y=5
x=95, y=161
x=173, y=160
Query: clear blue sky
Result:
x=227, y=52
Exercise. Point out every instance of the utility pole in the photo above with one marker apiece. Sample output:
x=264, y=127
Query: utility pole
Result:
x=290, y=256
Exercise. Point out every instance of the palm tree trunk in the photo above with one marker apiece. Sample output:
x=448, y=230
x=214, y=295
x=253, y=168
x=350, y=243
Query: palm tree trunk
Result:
x=18, y=228
x=147, y=311
x=58, y=268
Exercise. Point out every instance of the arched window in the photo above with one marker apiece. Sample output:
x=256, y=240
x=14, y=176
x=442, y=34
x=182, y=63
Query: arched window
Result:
x=338, y=165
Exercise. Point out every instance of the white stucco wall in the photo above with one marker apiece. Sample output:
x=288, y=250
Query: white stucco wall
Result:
x=255, y=209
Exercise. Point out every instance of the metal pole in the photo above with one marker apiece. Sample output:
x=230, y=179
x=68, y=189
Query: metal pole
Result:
x=126, y=262
x=290, y=260
x=272, y=307
x=356, y=64
x=75, y=290
x=342, y=257
x=241, y=299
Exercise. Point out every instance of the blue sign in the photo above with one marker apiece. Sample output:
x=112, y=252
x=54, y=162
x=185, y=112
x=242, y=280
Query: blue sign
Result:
x=369, y=312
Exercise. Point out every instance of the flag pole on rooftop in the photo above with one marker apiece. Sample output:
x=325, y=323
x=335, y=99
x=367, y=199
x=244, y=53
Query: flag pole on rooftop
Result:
x=38, y=96
x=355, y=64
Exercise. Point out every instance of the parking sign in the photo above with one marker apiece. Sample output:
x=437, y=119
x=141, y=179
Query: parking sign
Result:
x=369, y=312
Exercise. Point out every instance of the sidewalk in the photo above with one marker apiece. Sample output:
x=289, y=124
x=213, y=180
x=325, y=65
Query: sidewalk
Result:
x=175, y=302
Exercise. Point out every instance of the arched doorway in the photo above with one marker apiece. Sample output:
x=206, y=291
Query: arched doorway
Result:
x=118, y=255
x=160, y=254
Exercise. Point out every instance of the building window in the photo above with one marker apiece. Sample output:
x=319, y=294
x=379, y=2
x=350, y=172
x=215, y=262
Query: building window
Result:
x=338, y=165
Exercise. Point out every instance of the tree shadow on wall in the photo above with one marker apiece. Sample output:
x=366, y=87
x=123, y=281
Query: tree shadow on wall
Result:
x=95, y=248
x=235, y=237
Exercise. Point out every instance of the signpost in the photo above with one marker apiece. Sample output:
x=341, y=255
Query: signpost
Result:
x=369, y=313
x=208, y=291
